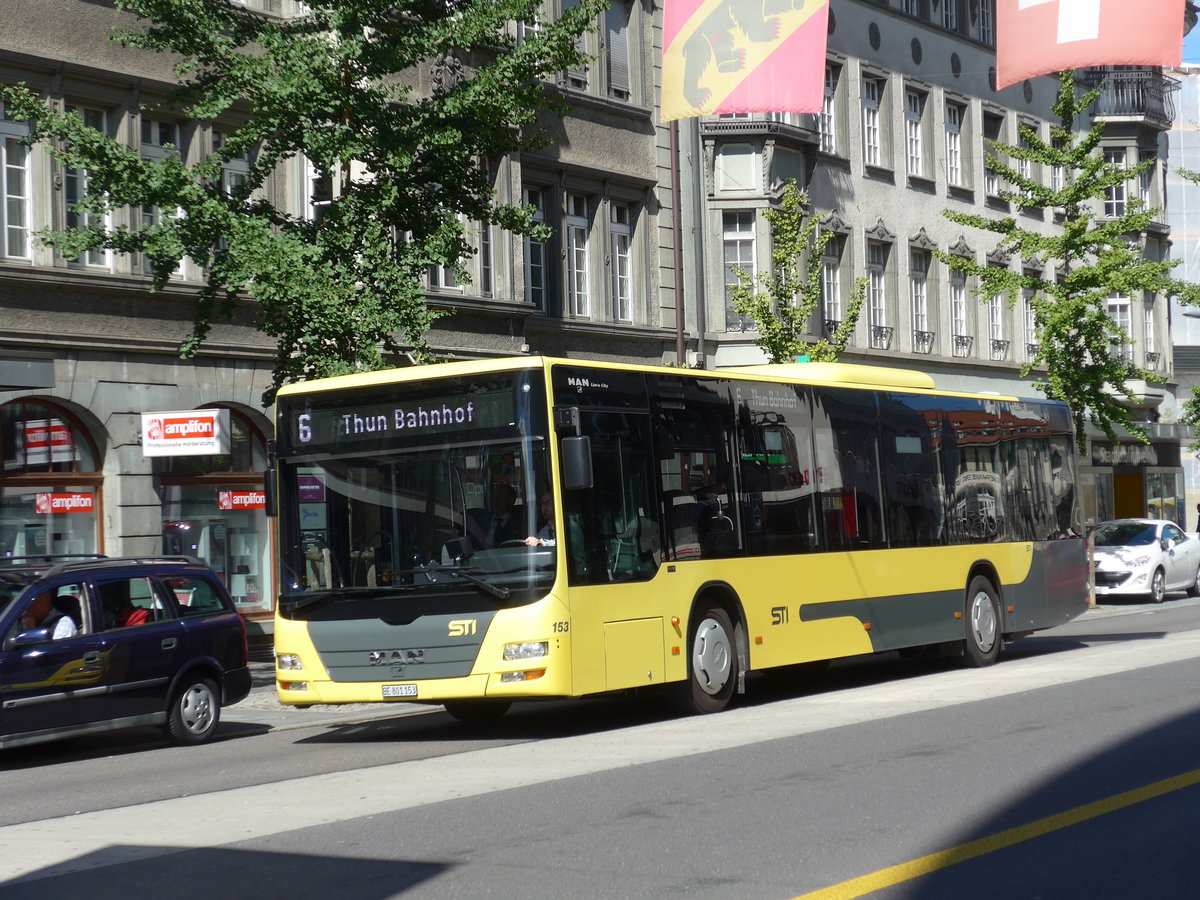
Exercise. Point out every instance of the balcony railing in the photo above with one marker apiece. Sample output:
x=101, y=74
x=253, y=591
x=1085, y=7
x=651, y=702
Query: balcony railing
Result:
x=962, y=344
x=1151, y=360
x=999, y=348
x=1137, y=93
x=881, y=337
x=922, y=341
x=832, y=325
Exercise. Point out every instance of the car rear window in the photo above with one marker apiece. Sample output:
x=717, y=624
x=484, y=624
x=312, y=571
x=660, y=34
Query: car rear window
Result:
x=195, y=595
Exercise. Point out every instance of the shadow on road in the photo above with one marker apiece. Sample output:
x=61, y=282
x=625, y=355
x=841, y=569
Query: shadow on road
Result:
x=124, y=871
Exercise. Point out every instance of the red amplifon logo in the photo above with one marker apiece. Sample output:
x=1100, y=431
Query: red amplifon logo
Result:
x=241, y=500
x=177, y=429
x=47, y=503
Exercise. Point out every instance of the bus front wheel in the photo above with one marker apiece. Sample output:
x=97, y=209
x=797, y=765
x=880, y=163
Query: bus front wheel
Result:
x=712, y=663
x=984, y=625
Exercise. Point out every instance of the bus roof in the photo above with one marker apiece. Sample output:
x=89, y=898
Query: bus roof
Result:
x=848, y=374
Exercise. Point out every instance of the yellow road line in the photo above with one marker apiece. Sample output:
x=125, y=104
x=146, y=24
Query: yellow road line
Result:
x=893, y=875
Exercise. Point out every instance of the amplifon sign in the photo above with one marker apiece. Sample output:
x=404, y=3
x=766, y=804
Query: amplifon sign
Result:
x=45, y=441
x=241, y=500
x=194, y=432
x=46, y=504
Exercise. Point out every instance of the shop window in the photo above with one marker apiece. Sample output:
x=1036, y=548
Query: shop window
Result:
x=50, y=483
x=214, y=508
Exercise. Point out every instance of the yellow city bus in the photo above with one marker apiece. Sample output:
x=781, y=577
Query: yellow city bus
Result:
x=474, y=533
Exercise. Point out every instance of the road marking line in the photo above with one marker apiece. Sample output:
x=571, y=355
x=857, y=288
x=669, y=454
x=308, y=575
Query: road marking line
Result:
x=925, y=865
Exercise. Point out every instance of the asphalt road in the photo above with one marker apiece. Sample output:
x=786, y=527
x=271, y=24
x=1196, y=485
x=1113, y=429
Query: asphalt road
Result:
x=1069, y=770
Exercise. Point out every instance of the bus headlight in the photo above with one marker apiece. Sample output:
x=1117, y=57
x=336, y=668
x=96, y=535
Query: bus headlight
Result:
x=527, y=650
x=513, y=677
x=289, y=661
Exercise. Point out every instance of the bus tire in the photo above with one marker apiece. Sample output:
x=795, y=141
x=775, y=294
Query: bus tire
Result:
x=984, y=625
x=477, y=710
x=712, y=663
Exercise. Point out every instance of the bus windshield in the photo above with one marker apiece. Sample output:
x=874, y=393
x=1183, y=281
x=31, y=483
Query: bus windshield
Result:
x=424, y=490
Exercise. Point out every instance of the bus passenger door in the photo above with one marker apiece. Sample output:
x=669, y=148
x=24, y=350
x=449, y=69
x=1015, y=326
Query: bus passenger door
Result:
x=614, y=551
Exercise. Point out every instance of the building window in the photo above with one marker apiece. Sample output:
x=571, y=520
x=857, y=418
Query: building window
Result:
x=737, y=239
x=1146, y=180
x=960, y=335
x=831, y=281
x=873, y=135
x=536, y=252
x=578, y=78
x=579, y=284
x=159, y=135
x=950, y=15
x=14, y=188
x=914, y=114
x=996, y=333
x=616, y=26
x=918, y=290
x=214, y=508
x=486, y=264
x=986, y=18
x=1149, y=333
x=877, y=301
x=829, y=117
x=737, y=168
x=1057, y=173
x=1120, y=312
x=318, y=196
x=1024, y=167
x=1029, y=318
x=954, y=156
x=50, y=483
x=621, y=235
x=993, y=127
x=1115, y=194
x=75, y=187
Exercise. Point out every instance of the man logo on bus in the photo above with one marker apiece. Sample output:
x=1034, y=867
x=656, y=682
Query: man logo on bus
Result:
x=462, y=627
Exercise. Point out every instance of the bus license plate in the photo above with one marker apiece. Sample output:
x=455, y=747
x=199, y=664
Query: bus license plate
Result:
x=399, y=690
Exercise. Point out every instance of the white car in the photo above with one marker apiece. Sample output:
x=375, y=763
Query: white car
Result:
x=1145, y=557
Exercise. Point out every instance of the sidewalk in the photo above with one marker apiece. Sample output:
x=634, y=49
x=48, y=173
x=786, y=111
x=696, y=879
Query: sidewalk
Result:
x=262, y=707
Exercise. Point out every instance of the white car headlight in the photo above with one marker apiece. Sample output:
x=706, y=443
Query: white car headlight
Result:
x=1140, y=561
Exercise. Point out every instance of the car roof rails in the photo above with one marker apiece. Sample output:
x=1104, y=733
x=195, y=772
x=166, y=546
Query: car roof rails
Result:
x=49, y=559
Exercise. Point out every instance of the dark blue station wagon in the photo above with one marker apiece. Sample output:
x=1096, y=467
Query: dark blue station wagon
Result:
x=97, y=644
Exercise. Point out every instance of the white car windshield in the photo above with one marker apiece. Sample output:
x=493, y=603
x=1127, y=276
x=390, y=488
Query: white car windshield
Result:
x=1126, y=535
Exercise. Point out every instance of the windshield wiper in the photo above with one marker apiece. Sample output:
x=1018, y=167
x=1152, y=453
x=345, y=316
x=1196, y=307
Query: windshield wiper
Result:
x=344, y=594
x=492, y=590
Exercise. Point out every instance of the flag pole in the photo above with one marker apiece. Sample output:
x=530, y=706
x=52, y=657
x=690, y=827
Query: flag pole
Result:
x=677, y=231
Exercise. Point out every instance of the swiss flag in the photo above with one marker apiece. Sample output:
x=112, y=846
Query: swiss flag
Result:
x=1035, y=37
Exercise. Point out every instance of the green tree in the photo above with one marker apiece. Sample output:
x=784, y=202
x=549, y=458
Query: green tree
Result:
x=333, y=85
x=1092, y=258
x=783, y=301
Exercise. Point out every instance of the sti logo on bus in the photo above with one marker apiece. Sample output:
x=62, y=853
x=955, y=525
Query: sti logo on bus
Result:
x=462, y=627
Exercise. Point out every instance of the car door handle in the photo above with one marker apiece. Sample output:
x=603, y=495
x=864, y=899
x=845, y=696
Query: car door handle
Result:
x=169, y=643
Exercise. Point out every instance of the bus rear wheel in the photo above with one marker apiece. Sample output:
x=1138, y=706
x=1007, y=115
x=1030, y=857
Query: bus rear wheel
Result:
x=477, y=710
x=712, y=663
x=984, y=625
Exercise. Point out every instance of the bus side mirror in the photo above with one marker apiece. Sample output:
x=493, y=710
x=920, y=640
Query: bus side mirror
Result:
x=269, y=495
x=576, y=453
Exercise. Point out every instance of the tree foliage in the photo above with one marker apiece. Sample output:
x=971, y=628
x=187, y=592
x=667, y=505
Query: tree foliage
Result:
x=1090, y=259
x=335, y=86
x=783, y=301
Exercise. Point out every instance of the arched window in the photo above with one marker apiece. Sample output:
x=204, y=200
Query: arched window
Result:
x=214, y=508
x=50, y=498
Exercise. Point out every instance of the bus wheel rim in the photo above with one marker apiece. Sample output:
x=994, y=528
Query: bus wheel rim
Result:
x=983, y=621
x=712, y=657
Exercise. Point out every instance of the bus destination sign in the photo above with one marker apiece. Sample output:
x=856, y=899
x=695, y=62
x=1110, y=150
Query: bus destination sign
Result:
x=342, y=423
